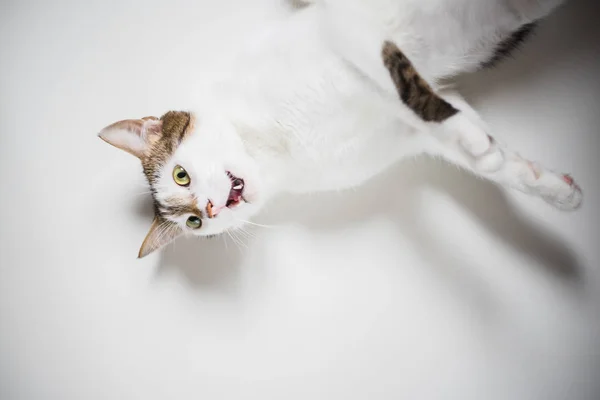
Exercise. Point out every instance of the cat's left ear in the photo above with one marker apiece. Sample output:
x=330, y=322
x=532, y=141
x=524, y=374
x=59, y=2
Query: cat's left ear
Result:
x=133, y=135
x=162, y=232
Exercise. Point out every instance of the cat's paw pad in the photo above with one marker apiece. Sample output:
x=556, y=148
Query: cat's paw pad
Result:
x=568, y=179
x=560, y=190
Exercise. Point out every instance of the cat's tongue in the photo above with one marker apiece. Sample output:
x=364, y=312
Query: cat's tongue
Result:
x=234, y=197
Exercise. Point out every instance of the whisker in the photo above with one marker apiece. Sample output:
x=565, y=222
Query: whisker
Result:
x=165, y=229
x=140, y=193
x=245, y=233
x=234, y=241
x=161, y=230
x=249, y=234
x=260, y=225
x=237, y=239
x=249, y=230
x=224, y=241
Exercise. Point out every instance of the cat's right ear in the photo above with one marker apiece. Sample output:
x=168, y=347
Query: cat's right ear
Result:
x=162, y=232
x=135, y=136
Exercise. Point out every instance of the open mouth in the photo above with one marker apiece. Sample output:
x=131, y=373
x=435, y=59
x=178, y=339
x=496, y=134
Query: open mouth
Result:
x=236, y=194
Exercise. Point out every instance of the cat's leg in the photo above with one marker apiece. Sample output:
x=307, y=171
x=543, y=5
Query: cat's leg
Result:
x=357, y=31
x=557, y=189
x=516, y=172
x=464, y=138
x=438, y=116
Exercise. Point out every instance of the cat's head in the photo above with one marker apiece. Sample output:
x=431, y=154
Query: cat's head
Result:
x=202, y=180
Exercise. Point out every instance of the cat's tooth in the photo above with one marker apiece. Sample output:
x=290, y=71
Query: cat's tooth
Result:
x=238, y=187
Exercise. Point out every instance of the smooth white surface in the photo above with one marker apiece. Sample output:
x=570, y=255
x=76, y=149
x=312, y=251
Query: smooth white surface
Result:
x=428, y=284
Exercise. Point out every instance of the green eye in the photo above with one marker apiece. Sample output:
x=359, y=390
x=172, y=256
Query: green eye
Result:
x=180, y=176
x=194, y=222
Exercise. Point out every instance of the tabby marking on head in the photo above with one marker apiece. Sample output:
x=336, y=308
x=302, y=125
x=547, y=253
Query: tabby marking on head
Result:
x=176, y=125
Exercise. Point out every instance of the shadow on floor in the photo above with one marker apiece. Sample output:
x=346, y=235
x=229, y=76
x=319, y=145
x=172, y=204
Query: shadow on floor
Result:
x=216, y=262
x=204, y=262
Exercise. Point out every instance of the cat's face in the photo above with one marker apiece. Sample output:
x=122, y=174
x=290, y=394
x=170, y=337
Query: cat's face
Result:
x=202, y=180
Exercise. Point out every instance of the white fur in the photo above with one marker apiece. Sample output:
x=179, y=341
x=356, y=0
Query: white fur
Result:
x=310, y=106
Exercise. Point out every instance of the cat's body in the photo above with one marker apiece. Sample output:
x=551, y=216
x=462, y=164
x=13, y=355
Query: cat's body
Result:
x=311, y=106
x=334, y=125
x=324, y=125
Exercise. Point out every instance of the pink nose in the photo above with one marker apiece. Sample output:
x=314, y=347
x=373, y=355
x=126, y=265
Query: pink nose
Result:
x=211, y=210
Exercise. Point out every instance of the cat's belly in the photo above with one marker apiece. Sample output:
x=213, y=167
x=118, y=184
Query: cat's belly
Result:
x=341, y=129
x=351, y=157
x=327, y=126
x=347, y=173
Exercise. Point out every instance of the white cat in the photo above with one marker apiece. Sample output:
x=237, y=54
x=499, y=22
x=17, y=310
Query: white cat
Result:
x=313, y=105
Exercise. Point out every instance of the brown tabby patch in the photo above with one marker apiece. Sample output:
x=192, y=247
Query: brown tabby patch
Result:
x=414, y=91
x=176, y=126
x=177, y=206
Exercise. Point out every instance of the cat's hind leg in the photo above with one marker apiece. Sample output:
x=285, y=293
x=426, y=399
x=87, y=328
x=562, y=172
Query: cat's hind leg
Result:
x=437, y=115
x=464, y=140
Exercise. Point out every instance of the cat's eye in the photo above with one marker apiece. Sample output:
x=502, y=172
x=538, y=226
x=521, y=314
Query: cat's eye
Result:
x=193, y=222
x=180, y=176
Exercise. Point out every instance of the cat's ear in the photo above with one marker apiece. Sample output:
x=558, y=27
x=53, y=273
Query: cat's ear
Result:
x=133, y=135
x=162, y=232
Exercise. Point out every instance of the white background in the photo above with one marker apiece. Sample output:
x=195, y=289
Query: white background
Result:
x=426, y=284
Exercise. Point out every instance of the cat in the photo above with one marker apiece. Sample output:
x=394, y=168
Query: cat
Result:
x=328, y=98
